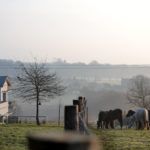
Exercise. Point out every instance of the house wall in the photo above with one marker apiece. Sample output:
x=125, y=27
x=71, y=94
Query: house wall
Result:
x=3, y=108
x=4, y=104
x=5, y=87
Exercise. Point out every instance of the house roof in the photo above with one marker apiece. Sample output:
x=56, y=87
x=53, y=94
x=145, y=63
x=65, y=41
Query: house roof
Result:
x=2, y=80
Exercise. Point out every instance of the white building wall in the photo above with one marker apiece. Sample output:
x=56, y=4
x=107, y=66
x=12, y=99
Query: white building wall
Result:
x=0, y=94
x=5, y=87
x=4, y=104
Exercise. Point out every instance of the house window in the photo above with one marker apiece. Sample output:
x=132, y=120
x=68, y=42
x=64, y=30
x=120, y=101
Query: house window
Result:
x=4, y=96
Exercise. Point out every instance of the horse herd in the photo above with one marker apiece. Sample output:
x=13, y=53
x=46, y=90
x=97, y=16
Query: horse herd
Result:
x=139, y=119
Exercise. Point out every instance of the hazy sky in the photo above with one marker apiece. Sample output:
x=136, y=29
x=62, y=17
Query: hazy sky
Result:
x=109, y=31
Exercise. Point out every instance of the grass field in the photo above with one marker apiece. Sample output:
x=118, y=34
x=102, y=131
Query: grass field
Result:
x=13, y=137
x=126, y=139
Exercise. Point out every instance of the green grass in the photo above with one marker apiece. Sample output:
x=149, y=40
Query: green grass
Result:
x=13, y=136
x=126, y=139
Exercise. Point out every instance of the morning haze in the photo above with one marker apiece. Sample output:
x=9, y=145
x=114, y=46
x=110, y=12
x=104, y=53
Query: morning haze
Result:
x=104, y=86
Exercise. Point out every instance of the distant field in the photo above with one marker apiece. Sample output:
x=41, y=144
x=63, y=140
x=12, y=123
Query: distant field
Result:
x=126, y=139
x=13, y=136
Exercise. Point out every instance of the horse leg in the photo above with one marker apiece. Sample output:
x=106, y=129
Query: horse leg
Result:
x=121, y=122
x=98, y=124
x=137, y=125
x=101, y=124
x=112, y=124
x=106, y=124
x=142, y=125
x=147, y=125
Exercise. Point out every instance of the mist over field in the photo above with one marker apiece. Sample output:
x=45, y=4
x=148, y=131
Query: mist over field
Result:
x=103, y=85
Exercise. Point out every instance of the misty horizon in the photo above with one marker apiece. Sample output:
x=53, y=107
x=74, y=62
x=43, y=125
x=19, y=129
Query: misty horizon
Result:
x=65, y=62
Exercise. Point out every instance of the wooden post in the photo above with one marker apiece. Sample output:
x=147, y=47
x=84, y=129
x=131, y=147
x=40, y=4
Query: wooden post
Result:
x=76, y=117
x=82, y=114
x=75, y=102
x=87, y=115
x=71, y=118
x=59, y=113
x=80, y=103
x=59, y=110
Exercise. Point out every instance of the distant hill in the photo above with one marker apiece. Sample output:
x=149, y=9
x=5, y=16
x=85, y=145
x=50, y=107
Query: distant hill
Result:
x=92, y=71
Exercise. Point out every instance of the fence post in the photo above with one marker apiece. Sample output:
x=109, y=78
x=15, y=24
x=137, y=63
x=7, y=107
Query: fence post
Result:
x=71, y=118
x=87, y=115
x=77, y=118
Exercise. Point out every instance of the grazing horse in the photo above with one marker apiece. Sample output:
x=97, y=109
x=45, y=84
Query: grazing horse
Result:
x=128, y=119
x=115, y=114
x=140, y=117
x=101, y=123
x=106, y=118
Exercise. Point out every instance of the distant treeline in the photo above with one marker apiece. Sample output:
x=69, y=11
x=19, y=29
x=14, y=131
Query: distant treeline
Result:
x=81, y=70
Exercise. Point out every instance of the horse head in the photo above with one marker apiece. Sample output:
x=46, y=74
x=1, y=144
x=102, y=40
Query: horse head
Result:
x=130, y=113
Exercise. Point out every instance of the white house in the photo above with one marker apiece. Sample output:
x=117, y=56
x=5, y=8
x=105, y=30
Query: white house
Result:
x=4, y=88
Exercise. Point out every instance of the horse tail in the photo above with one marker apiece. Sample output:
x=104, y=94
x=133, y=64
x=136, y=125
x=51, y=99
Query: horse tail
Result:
x=147, y=119
x=146, y=115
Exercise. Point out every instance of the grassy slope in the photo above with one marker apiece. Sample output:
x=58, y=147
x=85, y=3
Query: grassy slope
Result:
x=13, y=137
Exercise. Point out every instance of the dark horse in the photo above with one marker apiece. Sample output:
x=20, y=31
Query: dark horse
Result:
x=130, y=113
x=102, y=119
x=106, y=118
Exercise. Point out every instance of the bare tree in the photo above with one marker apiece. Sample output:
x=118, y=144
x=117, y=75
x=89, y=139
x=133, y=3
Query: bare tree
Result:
x=138, y=93
x=36, y=84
